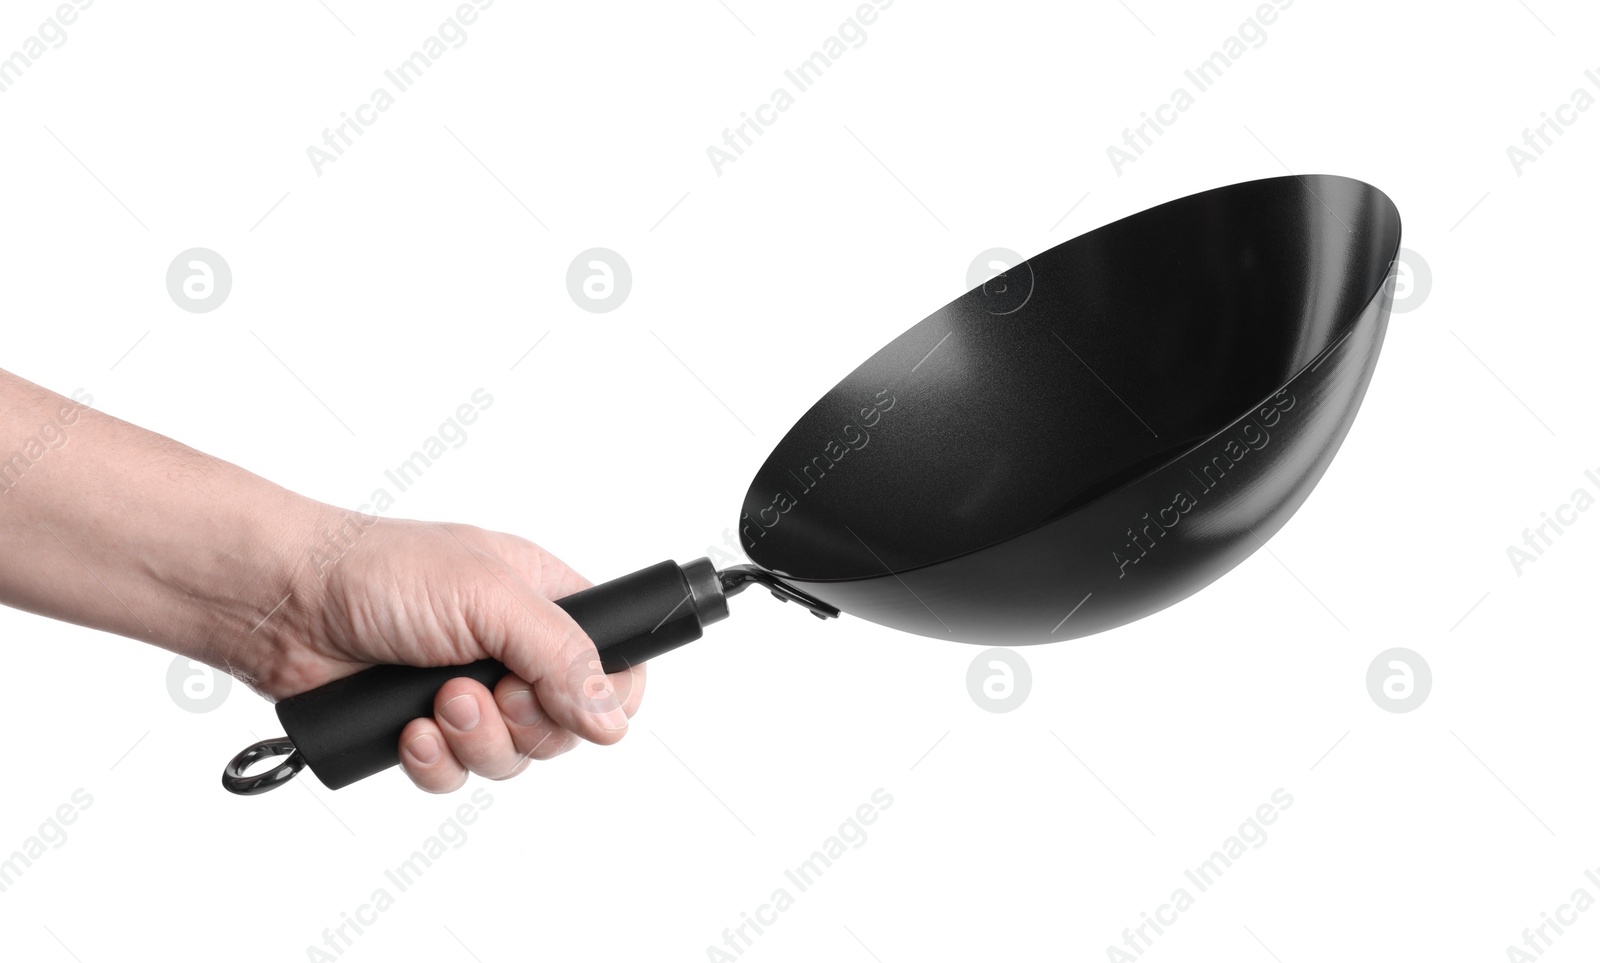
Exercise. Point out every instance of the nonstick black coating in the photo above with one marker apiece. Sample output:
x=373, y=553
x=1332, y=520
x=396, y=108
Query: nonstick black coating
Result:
x=1097, y=433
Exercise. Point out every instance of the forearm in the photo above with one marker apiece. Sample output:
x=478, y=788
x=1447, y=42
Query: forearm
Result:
x=107, y=525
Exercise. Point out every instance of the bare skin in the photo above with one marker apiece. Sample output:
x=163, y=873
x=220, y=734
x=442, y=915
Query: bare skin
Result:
x=113, y=527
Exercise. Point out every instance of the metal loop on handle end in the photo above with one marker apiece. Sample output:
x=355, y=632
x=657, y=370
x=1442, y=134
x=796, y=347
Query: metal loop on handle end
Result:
x=235, y=781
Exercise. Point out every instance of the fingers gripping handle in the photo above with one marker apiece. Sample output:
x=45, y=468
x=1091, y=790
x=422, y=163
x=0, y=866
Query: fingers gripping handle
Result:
x=350, y=728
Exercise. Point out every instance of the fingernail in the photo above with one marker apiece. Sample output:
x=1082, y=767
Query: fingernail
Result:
x=461, y=713
x=519, y=707
x=615, y=719
x=424, y=749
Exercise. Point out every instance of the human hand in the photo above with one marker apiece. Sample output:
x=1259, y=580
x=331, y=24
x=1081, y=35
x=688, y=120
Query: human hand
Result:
x=111, y=526
x=428, y=594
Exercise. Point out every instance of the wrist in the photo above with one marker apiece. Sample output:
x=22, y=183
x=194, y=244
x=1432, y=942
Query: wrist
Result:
x=259, y=587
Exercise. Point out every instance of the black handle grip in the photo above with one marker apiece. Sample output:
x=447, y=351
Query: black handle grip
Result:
x=350, y=728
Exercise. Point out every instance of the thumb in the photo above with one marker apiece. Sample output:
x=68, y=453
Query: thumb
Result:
x=536, y=639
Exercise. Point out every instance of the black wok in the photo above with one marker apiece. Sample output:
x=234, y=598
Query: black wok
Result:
x=1084, y=440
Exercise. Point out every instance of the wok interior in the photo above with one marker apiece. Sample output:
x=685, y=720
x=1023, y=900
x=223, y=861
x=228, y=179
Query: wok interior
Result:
x=1072, y=374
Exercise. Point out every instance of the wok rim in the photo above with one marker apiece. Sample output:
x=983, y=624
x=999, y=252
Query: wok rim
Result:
x=1342, y=334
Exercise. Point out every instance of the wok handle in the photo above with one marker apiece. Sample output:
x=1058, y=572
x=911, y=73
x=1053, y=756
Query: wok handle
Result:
x=350, y=728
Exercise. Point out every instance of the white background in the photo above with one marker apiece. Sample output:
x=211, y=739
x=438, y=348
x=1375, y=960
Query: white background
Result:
x=415, y=269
